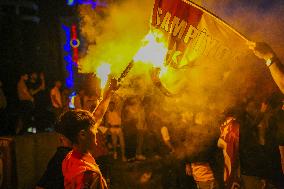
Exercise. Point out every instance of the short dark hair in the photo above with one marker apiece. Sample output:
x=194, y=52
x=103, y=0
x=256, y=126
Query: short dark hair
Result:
x=72, y=122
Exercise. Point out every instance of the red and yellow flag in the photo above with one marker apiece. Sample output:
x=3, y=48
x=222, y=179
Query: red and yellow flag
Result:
x=195, y=35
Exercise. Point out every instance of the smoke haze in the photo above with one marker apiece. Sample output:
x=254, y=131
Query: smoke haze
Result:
x=115, y=35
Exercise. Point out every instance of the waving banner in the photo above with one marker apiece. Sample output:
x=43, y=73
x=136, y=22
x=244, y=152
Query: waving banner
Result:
x=194, y=34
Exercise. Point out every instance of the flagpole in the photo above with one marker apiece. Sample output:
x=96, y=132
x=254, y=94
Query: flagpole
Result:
x=218, y=19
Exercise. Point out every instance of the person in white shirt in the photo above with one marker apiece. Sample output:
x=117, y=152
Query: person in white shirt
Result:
x=113, y=120
x=55, y=97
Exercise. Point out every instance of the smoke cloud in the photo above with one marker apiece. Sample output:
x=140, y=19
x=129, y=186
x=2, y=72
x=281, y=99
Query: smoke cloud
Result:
x=114, y=36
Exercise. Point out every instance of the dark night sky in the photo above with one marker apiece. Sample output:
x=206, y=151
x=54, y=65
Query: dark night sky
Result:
x=259, y=20
x=28, y=46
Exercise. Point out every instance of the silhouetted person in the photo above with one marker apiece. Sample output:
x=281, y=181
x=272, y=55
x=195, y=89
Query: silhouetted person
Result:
x=56, y=99
x=25, y=105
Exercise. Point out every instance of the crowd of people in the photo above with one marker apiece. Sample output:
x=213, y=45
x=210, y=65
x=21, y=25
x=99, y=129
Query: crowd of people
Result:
x=251, y=139
x=251, y=134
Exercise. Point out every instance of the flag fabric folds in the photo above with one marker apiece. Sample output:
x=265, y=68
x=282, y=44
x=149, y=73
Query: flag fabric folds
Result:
x=196, y=35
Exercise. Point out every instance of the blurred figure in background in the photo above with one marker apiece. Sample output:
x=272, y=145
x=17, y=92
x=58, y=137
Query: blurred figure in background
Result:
x=65, y=99
x=26, y=105
x=3, y=101
x=271, y=141
x=229, y=143
x=53, y=178
x=3, y=115
x=79, y=99
x=199, y=163
x=113, y=120
x=261, y=140
x=134, y=127
x=36, y=86
x=56, y=98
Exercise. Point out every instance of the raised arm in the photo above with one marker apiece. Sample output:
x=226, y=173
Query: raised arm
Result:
x=265, y=52
x=35, y=91
x=103, y=105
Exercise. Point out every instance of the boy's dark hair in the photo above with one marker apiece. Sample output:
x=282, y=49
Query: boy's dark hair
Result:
x=72, y=122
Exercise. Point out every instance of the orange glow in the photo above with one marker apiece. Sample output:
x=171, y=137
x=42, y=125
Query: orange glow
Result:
x=153, y=50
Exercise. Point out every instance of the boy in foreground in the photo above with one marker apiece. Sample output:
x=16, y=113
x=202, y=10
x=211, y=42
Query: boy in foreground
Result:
x=80, y=127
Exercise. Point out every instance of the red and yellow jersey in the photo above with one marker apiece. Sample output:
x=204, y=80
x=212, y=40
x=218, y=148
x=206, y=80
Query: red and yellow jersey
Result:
x=81, y=171
x=229, y=142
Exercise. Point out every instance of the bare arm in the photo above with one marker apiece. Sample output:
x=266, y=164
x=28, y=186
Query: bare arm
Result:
x=103, y=105
x=42, y=86
x=265, y=52
x=35, y=91
x=53, y=97
x=277, y=72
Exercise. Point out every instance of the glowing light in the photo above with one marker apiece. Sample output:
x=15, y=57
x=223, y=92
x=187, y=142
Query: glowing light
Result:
x=68, y=58
x=102, y=72
x=70, y=2
x=93, y=3
x=163, y=71
x=75, y=43
x=153, y=51
x=71, y=100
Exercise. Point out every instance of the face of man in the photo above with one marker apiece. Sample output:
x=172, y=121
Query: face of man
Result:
x=58, y=84
x=92, y=137
x=25, y=77
x=253, y=110
x=34, y=76
x=81, y=93
x=87, y=139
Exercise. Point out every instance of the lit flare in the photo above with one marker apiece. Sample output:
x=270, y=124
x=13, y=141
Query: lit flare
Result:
x=153, y=50
x=103, y=72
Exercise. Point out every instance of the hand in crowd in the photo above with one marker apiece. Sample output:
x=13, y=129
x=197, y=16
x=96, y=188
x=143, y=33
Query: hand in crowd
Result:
x=113, y=85
x=41, y=75
x=265, y=52
x=188, y=169
x=262, y=50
